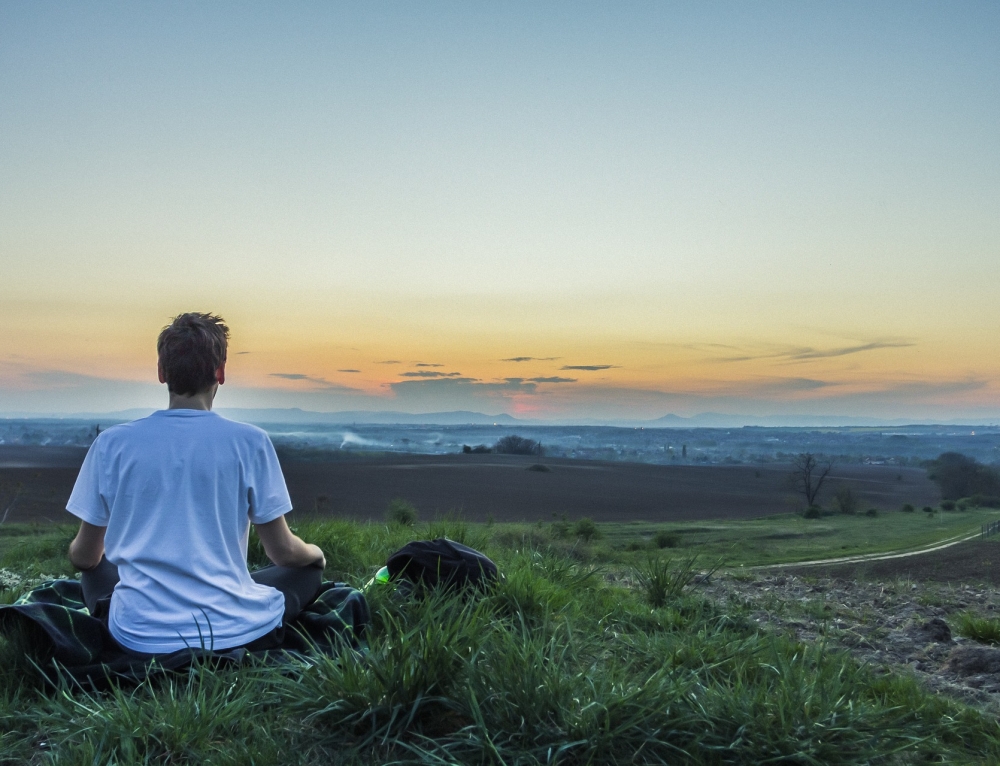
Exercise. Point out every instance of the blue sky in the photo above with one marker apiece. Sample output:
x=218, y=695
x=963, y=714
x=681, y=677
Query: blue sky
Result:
x=656, y=188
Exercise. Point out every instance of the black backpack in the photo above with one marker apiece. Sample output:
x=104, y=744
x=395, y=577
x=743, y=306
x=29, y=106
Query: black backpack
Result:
x=441, y=562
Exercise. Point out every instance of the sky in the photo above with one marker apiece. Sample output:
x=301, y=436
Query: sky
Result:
x=566, y=211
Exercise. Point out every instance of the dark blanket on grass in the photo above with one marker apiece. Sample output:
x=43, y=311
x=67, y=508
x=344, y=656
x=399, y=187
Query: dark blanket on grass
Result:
x=67, y=641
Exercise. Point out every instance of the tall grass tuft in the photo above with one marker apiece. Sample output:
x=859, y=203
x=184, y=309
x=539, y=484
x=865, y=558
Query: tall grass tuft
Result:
x=203, y=716
x=406, y=683
x=982, y=629
x=662, y=581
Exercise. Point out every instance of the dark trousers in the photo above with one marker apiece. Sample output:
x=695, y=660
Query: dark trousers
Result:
x=299, y=585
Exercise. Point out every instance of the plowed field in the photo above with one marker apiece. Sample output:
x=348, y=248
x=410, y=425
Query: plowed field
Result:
x=497, y=486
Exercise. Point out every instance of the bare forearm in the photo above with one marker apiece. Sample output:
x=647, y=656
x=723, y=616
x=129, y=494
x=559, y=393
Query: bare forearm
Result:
x=87, y=548
x=297, y=553
x=285, y=548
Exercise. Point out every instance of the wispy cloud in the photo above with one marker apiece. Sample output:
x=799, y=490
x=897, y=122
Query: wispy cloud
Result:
x=62, y=379
x=430, y=374
x=348, y=370
x=845, y=350
x=312, y=380
x=806, y=353
x=462, y=387
x=779, y=386
x=428, y=364
x=921, y=388
x=240, y=353
x=530, y=359
x=589, y=367
x=389, y=361
x=553, y=379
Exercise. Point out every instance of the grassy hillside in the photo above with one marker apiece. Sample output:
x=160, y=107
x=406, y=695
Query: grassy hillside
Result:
x=584, y=653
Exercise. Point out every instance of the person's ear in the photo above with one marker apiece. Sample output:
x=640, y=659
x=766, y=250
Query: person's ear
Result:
x=159, y=372
x=220, y=374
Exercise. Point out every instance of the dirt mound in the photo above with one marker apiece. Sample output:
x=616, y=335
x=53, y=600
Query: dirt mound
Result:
x=972, y=661
x=934, y=630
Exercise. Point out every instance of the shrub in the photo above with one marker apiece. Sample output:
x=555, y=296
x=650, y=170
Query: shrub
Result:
x=479, y=449
x=845, y=501
x=517, y=445
x=812, y=512
x=948, y=505
x=665, y=539
x=928, y=510
x=560, y=529
x=872, y=512
x=539, y=467
x=586, y=529
x=401, y=512
x=964, y=504
x=907, y=508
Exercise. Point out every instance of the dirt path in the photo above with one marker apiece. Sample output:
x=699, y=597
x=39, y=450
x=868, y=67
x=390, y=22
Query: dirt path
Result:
x=937, y=546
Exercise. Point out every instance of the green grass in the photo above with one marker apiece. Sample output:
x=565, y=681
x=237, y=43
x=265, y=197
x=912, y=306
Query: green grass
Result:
x=558, y=664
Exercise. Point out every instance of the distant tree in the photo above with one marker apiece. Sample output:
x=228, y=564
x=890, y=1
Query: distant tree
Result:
x=845, y=501
x=517, y=445
x=959, y=475
x=586, y=529
x=808, y=475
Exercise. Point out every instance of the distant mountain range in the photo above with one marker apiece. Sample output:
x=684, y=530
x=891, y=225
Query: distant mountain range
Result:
x=719, y=420
x=296, y=416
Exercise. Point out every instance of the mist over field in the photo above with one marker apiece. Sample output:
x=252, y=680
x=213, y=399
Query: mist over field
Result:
x=903, y=445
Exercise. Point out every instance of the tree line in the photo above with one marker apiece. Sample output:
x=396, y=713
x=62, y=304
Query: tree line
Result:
x=507, y=445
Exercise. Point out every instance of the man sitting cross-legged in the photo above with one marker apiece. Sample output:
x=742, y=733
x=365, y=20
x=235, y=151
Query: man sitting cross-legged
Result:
x=166, y=504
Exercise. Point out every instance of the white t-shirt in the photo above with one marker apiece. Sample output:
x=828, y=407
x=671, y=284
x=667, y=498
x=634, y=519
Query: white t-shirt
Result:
x=177, y=492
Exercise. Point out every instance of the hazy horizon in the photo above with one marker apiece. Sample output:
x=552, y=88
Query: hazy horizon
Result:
x=699, y=421
x=569, y=212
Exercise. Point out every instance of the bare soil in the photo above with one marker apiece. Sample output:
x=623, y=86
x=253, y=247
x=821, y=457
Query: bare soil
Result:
x=497, y=486
x=897, y=616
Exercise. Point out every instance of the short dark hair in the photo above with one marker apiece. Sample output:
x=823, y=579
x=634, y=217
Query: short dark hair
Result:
x=190, y=349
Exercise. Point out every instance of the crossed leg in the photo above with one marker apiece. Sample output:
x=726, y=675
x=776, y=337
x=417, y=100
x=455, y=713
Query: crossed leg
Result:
x=299, y=585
